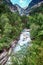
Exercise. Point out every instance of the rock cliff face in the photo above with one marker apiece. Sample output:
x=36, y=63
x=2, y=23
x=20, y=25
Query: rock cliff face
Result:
x=12, y=7
x=17, y=8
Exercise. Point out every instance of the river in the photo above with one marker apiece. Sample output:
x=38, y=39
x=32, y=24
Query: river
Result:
x=22, y=44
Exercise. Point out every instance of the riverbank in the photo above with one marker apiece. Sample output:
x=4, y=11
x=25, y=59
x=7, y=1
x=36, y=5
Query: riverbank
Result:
x=5, y=54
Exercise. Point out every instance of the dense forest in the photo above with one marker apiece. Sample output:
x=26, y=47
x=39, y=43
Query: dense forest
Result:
x=11, y=25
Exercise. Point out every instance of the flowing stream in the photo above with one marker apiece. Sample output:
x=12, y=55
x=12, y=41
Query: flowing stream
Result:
x=23, y=42
x=24, y=39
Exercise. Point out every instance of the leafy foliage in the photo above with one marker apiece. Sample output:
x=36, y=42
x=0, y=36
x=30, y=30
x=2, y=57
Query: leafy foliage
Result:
x=10, y=27
x=34, y=54
x=11, y=24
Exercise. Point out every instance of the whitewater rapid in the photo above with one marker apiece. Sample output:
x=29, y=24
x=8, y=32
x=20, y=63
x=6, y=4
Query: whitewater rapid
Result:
x=24, y=39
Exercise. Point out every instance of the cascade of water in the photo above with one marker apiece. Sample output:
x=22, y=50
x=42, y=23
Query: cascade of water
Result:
x=23, y=41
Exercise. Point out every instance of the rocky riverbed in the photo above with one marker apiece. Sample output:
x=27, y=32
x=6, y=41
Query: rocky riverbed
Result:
x=5, y=57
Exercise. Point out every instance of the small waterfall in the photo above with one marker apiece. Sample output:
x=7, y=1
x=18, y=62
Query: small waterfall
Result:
x=24, y=39
x=23, y=42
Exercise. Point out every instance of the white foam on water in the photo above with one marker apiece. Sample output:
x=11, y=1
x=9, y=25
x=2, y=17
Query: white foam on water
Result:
x=24, y=40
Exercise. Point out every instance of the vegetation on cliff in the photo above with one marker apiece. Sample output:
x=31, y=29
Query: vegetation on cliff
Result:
x=11, y=24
